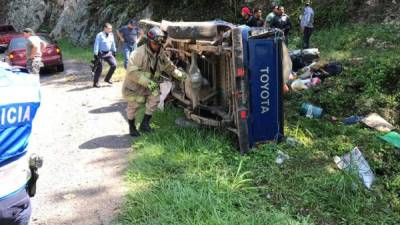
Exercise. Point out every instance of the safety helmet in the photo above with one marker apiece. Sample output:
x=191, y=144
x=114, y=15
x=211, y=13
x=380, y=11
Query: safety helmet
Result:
x=156, y=34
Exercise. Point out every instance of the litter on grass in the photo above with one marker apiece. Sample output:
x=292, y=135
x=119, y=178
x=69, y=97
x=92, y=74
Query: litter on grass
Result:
x=355, y=161
x=281, y=158
x=310, y=111
x=393, y=138
x=352, y=120
x=375, y=121
x=292, y=141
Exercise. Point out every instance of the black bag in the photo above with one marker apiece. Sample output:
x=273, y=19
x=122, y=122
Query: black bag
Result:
x=333, y=69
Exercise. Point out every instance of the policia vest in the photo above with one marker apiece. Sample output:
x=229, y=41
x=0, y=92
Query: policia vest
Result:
x=19, y=101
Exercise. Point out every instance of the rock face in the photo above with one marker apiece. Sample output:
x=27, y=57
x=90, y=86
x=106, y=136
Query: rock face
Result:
x=80, y=20
x=73, y=20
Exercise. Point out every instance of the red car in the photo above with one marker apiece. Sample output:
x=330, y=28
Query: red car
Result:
x=7, y=32
x=51, y=55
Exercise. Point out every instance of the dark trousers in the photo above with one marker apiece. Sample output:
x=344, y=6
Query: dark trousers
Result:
x=16, y=210
x=110, y=59
x=306, y=38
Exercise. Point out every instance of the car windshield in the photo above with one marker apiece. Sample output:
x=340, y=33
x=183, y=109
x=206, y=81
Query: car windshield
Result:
x=20, y=42
x=17, y=43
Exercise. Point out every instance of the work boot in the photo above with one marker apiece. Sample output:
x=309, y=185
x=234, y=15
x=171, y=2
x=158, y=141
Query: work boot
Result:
x=132, y=129
x=145, y=125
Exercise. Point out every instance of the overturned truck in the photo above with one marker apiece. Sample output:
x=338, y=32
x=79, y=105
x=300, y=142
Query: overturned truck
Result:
x=235, y=78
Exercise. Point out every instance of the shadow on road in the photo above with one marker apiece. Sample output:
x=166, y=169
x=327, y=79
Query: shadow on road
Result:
x=116, y=107
x=110, y=142
x=81, y=88
x=78, y=193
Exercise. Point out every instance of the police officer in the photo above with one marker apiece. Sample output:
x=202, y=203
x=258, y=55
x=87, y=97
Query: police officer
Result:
x=104, y=50
x=140, y=86
x=16, y=114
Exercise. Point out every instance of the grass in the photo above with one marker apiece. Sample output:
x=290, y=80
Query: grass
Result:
x=195, y=176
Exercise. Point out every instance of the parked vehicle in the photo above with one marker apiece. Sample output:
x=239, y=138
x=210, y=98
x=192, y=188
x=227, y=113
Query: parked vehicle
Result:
x=7, y=32
x=235, y=77
x=51, y=55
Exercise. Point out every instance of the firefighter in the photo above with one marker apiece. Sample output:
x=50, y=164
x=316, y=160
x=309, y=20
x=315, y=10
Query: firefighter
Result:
x=144, y=70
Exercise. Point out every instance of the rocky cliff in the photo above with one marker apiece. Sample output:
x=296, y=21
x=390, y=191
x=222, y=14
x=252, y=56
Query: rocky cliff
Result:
x=79, y=20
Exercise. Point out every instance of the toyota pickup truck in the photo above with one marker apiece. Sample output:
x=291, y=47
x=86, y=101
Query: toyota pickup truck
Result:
x=7, y=32
x=236, y=76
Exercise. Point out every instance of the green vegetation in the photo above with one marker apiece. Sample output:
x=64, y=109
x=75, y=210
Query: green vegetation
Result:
x=187, y=176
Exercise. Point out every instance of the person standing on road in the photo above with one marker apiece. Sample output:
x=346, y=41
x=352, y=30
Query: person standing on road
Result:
x=271, y=15
x=247, y=17
x=33, y=51
x=129, y=35
x=17, y=110
x=307, y=24
x=144, y=71
x=104, y=50
x=282, y=21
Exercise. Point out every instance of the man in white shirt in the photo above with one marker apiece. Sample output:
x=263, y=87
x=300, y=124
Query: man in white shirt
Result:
x=33, y=51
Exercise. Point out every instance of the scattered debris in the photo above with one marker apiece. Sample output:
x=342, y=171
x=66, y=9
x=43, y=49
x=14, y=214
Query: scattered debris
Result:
x=299, y=85
x=352, y=120
x=312, y=75
x=375, y=121
x=392, y=138
x=292, y=141
x=310, y=110
x=370, y=41
x=355, y=161
x=281, y=158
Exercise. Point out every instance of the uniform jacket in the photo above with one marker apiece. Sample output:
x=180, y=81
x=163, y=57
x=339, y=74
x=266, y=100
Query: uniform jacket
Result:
x=18, y=108
x=138, y=74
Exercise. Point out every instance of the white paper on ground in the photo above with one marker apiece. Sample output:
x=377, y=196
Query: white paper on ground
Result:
x=356, y=161
x=165, y=89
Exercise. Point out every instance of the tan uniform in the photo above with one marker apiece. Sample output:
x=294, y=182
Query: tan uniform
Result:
x=138, y=76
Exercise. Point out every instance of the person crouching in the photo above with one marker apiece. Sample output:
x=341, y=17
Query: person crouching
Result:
x=144, y=70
